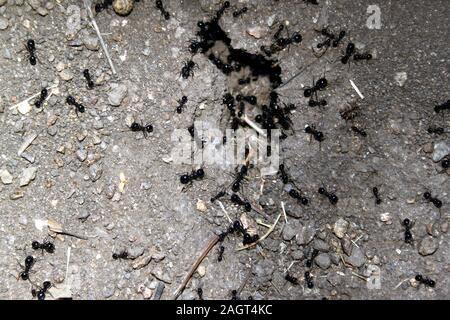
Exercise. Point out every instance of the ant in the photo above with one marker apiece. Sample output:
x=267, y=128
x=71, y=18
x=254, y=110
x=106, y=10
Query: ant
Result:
x=310, y=261
x=250, y=99
x=408, y=235
x=339, y=38
x=139, y=127
x=349, y=51
x=291, y=279
x=221, y=250
x=237, y=182
x=425, y=280
x=359, y=131
x=219, y=195
x=318, y=135
x=194, y=46
x=377, y=196
x=29, y=261
x=331, y=40
x=38, y=103
x=362, y=56
x=244, y=81
x=437, y=203
x=99, y=7
x=442, y=107
x=235, y=199
x=220, y=12
x=200, y=293
x=308, y=280
x=40, y=294
x=31, y=48
x=181, y=102
x=445, y=164
x=331, y=196
x=284, y=176
x=46, y=245
x=196, y=174
x=234, y=295
x=317, y=103
x=321, y=84
x=71, y=101
x=120, y=255
x=88, y=78
x=228, y=100
x=436, y=130
x=187, y=69
x=237, y=13
x=159, y=5
x=296, y=195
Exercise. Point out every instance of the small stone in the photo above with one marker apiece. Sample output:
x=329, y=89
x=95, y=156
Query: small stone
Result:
x=321, y=245
x=146, y=185
x=5, y=176
x=444, y=227
x=108, y=291
x=81, y=154
x=289, y=232
x=347, y=245
x=357, y=258
x=3, y=2
x=3, y=23
x=428, y=246
x=28, y=157
x=201, y=206
x=400, y=78
x=27, y=176
x=60, y=66
x=306, y=233
x=428, y=148
x=141, y=262
x=66, y=75
x=386, y=217
x=17, y=194
x=201, y=271
x=123, y=7
x=42, y=11
x=95, y=172
x=340, y=228
x=23, y=220
x=117, y=94
x=135, y=251
x=256, y=32
x=91, y=42
x=323, y=261
x=441, y=150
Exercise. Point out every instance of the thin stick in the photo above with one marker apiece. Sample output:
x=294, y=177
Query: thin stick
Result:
x=224, y=211
x=94, y=25
x=262, y=238
x=284, y=212
x=33, y=96
x=356, y=89
x=211, y=243
x=245, y=281
x=254, y=126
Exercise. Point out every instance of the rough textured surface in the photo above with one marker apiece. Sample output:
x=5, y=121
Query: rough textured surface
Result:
x=99, y=179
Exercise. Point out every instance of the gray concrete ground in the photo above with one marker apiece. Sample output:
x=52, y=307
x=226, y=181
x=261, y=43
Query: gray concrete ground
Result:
x=72, y=170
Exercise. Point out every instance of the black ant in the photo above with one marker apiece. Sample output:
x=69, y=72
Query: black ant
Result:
x=321, y=84
x=237, y=182
x=237, y=200
x=31, y=47
x=187, y=69
x=244, y=81
x=376, y=194
x=46, y=245
x=139, y=127
x=296, y=195
x=442, y=107
x=195, y=175
x=331, y=196
x=436, y=130
x=87, y=75
x=339, y=38
x=29, y=261
x=78, y=106
x=445, y=164
x=407, y=224
x=40, y=294
x=237, y=13
x=278, y=33
x=181, y=103
x=159, y=5
x=284, y=176
x=121, y=255
x=220, y=12
x=317, y=103
x=318, y=135
x=38, y=103
x=437, y=203
x=425, y=280
x=99, y=7
x=194, y=46
x=248, y=239
x=362, y=56
x=218, y=196
x=310, y=261
x=200, y=293
x=359, y=131
x=250, y=99
x=228, y=100
x=221, y=250
x=291, y=279
x=349, y=51
x=308, y=280
x=234, y=295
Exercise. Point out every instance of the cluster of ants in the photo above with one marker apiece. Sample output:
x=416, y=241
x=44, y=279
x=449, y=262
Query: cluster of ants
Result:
x=30, y=260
